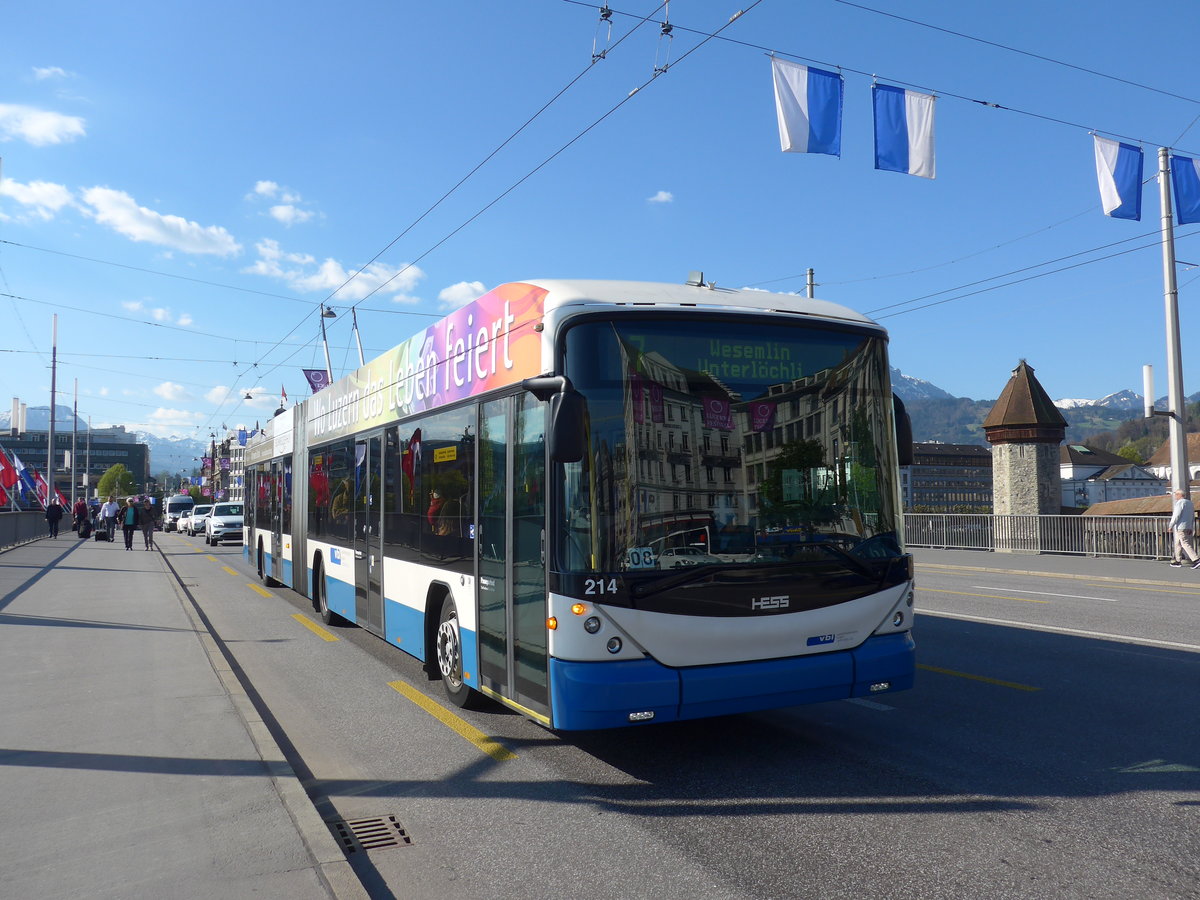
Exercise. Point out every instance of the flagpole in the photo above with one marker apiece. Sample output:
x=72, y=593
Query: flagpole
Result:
x=1180, y=471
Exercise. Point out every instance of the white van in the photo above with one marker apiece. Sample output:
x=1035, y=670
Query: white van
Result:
x=173, y=507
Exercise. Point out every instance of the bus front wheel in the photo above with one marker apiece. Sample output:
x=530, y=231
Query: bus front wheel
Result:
x=450, y=658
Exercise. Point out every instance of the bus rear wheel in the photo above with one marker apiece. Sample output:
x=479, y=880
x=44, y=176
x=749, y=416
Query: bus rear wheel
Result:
x=321, y=601
x=450, y=659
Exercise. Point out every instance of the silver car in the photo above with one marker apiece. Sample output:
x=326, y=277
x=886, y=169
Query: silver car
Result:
x=195, y=522
x=224, y=523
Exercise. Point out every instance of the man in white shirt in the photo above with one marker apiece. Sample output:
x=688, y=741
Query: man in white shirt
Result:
x=108, y=516
x=1183, y=523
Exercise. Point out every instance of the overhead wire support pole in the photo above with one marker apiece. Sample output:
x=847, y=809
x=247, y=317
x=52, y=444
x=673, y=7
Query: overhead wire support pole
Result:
x=357, y=338
x=1180, y=469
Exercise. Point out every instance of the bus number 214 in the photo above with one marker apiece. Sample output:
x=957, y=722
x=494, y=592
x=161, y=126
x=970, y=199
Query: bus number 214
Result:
x=600, y=585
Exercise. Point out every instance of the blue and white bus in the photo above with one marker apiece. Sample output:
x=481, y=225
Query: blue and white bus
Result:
x=571, y=497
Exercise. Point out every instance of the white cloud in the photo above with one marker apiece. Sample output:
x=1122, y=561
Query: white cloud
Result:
x=164, y=416
x=171, y=391
x=301, y=272
x=38, y=126
x=218, y=394
x=661, y=197
x=184, y=320
x=120, y=212
x=42, y=198
x=160, y=314
x=42, y=73
x=458, y=295
x=266, y=188
x=133, y=305
x=290, y=215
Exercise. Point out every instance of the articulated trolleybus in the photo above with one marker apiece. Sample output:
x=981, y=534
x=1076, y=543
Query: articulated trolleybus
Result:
x=603, y=503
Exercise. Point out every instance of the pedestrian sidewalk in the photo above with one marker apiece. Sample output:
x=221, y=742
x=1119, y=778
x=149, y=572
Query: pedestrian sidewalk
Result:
x=132, y=764
x=1143, y=571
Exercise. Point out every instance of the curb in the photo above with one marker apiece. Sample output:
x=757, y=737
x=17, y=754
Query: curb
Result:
x=331, y=865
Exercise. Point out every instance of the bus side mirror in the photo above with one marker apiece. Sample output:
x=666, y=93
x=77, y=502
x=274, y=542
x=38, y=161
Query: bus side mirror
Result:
x=904, y=438
x=568, y=414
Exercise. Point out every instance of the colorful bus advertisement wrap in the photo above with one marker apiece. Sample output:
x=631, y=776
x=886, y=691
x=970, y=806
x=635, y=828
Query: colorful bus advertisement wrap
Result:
x=486, y=344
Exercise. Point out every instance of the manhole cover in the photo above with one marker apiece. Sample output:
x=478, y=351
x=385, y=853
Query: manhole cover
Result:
x=370, y=834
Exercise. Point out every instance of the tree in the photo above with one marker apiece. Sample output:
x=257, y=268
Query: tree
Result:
x=117, y=481
x=1130, y=452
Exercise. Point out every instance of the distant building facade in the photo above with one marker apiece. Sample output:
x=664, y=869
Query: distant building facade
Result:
x=1091, y=476
x=948, y=478
x=1160, y=462
x=108, y=447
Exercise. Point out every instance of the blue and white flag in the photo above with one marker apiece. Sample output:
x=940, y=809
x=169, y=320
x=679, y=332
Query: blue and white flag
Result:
x=1119, y=171
x=808, y=104
x=1185, y=179
x=904, y=131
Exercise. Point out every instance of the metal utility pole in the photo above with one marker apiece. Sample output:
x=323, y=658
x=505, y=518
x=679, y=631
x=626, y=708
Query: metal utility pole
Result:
x=357, y=338
x=74, y=437
x=1180, y=471
x=811, y=285
x=53, y=388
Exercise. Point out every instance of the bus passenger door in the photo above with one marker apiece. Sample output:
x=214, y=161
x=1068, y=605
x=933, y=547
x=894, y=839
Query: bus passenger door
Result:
x=368, y=547
x=511, y=547
x=275, y=504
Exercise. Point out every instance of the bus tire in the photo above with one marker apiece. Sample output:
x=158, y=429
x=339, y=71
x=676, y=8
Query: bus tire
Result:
x=262, y=573
x=321, y=601
x=448, y=644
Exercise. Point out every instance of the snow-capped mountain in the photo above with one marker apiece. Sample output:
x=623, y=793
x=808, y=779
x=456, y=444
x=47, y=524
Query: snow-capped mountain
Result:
x=909, y=388
x=1125, y=401
x=37, y=418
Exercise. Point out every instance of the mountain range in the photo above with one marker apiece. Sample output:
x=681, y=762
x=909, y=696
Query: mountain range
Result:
x=938, y=415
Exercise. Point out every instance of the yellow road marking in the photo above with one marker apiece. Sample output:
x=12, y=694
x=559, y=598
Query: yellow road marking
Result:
x=229, y=570
x=259, y=590
x=495, y=750
x=1008, y=684
x=988, y=596
x=313, y=627
x=211, y=558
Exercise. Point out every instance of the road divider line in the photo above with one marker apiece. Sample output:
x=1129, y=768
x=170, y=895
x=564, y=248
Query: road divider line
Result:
x=314, y=627
x=1154, y=590
x=211, y=558
x=233, y=572
x=1045, y=594
x=259, y=589
x=462, y=728
x=1016, y=686
x=988, y=596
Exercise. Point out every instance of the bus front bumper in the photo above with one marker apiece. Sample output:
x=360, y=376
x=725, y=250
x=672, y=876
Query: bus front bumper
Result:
x=586, y=695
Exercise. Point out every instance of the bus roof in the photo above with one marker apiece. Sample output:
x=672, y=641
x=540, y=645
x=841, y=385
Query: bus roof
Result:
x=572, y=292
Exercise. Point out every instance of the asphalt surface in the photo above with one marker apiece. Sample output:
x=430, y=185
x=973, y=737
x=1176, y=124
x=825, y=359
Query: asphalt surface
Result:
x=133, y=762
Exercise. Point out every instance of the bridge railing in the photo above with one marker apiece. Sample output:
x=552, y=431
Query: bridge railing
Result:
x=1135, y=537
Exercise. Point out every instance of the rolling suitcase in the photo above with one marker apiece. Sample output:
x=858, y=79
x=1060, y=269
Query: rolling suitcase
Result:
x=85, y=529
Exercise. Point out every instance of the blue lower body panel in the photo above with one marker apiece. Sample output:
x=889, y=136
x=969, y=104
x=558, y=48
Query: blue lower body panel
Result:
x=585, y=695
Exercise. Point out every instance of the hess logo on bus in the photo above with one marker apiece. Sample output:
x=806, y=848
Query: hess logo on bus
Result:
x=780, y=602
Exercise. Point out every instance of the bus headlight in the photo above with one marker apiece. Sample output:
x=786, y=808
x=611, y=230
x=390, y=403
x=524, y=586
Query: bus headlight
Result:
x=591, y=624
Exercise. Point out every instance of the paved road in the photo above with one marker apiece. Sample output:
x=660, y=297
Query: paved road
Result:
x=1049, y=750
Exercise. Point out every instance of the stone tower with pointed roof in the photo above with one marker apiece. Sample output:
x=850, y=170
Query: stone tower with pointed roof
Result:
x=1025, y=429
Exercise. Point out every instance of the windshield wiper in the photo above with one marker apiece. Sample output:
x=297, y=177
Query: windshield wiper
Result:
x=690, y=574
x=849, y=558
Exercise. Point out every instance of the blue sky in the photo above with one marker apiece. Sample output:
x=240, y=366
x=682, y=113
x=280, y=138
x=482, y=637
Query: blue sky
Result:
x=184, y=186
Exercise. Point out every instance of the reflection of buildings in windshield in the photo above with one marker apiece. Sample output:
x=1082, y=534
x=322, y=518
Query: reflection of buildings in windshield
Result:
x=704, y=466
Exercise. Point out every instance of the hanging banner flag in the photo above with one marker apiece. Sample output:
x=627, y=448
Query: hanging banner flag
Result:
x=762, y=416
x=808, y=105
x=8, y=472
x=904, y=131
x=1185, y=179
x=242, y=437
x=1119, y=171
x=317, y=378
x=717, y=413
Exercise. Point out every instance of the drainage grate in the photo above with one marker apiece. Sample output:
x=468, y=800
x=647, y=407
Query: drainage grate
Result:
x=370, y=834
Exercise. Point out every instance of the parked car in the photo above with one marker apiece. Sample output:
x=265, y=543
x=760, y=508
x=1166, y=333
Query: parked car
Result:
x=195, y=522
x=677, y=557
x=224, y=523
x=181, y=524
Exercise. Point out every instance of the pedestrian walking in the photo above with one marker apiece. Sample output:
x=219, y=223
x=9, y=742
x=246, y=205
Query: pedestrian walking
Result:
x=79, y=512
x=54, y=514
x=108, y=517
x=130, y=520
x=148, y=516
x=1183, y=523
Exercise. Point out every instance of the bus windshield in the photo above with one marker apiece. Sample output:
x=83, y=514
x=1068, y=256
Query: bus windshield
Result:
x=719, y=442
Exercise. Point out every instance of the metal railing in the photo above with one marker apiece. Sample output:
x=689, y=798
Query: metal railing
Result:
x=1136, y=537
x=22, y=527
